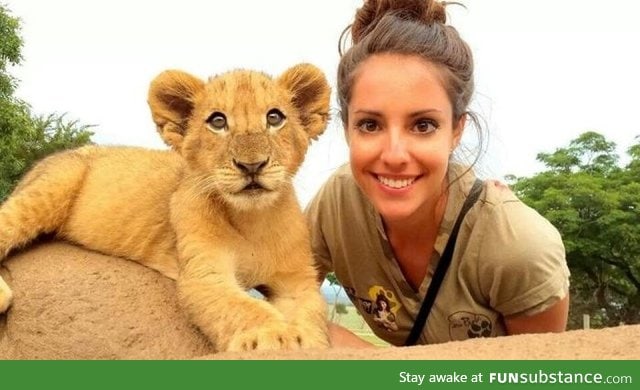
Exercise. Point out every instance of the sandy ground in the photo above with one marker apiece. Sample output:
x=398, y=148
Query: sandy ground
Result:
x=71, y=303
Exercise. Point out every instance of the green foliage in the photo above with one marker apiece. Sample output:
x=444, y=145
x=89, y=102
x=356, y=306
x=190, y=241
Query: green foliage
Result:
x=595, y=204
x=341, y=308
x=10, y=47
x=24, y=137
x=31, y=139
x=332, y=279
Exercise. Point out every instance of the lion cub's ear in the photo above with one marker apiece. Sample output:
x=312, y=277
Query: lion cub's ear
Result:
x=172, y=96
x=311, y=94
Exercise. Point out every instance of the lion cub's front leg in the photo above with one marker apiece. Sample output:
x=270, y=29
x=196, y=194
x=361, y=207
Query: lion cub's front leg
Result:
x=209, y=290
x=223, y=311
x=297, y=295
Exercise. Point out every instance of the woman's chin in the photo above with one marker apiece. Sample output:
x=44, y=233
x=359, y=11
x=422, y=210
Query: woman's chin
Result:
x=395, y=213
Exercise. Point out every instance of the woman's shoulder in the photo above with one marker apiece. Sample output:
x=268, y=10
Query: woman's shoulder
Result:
x=502, y=206
x=496, y=193
x=521, y=259
x=510, y=229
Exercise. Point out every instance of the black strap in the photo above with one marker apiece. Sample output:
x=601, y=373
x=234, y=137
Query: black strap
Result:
x=443, y=265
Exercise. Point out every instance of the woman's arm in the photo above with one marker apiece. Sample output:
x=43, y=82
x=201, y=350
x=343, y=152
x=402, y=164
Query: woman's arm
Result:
x=553, y=319
x=343, y=338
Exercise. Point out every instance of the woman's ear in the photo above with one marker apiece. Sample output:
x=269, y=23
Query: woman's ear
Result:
x=346, y=133
x=458, y=130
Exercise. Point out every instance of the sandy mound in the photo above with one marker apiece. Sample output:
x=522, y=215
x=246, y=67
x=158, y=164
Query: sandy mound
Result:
x=71, y=303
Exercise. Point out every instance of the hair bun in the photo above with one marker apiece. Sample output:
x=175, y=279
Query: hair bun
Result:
x=426, y=11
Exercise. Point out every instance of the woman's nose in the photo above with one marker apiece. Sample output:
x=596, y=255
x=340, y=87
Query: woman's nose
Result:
x=395, y=151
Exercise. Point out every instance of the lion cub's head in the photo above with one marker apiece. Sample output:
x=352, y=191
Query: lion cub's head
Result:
x=242, y=133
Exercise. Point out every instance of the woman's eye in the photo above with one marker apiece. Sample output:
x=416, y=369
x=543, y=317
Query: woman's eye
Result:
x=275, y=118
x=425, y=126
x=217, y=122
x=367, y=126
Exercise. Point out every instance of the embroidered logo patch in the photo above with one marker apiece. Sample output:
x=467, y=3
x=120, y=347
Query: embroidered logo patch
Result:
x=465, y=325
x=384, y=308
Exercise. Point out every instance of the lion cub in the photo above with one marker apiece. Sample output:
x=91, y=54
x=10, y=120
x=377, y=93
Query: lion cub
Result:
x=217, y=213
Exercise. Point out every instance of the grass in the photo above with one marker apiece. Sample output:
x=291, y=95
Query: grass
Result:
x=353, y=321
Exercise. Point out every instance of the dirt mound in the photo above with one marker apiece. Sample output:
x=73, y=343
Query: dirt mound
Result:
x=71, y=303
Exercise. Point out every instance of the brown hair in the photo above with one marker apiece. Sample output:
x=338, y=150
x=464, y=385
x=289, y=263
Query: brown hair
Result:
x=411, y=27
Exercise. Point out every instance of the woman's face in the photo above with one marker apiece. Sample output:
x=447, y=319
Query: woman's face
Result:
x=400, y=134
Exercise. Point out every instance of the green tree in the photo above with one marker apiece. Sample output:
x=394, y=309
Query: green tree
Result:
x=595, y=204
x=25, y=137
x=10, y=47
x=337, y=289
x=341, y=308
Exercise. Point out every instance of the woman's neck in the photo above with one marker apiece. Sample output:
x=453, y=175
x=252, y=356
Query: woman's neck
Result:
x=413, y=240
x=425, y=222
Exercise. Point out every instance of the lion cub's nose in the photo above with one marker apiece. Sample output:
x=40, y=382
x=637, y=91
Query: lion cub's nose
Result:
x=250, y=168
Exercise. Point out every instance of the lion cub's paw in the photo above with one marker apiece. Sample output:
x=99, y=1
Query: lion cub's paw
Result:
x=5, y=296
x=312, y=336
x=266, y=337
x=313, y=341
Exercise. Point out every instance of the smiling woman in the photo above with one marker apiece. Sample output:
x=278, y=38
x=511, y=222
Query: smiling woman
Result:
x=426, y=252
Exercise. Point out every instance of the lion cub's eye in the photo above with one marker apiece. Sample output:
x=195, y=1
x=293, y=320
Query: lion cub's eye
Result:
x=217, y=122
x=275, y=118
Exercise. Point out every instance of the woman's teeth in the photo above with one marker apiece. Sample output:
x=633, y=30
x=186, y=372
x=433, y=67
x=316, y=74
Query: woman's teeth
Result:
x=395, y=183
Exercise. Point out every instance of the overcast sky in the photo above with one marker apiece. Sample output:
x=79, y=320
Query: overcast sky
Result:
x=546, y=70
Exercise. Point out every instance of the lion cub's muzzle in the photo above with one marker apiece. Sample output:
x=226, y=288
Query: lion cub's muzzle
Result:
x=252, y=173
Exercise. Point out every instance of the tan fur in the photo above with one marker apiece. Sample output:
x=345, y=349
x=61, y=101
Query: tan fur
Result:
x=186, y=212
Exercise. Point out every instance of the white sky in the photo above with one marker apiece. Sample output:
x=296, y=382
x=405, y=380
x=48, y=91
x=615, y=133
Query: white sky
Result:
x=546, y=70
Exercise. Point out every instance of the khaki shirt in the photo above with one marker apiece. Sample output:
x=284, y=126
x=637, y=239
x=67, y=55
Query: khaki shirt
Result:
x=508, y=259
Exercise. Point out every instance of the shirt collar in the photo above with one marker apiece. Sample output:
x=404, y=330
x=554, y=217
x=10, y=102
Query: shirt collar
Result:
x=460, y=179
